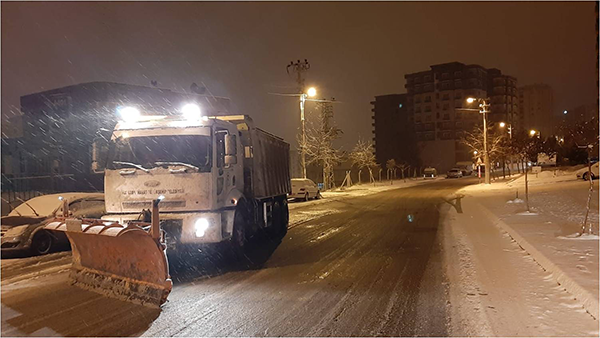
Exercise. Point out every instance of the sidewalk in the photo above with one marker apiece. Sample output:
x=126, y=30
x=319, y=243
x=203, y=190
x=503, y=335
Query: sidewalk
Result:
x=549, y=232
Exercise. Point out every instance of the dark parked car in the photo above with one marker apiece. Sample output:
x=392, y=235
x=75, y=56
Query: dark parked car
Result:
x=23, y=229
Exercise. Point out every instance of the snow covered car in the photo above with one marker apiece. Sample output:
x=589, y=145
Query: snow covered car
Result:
x=304, y=189
x=585, y=174
x=22, y=230
x=429, y=172
x=454, y=173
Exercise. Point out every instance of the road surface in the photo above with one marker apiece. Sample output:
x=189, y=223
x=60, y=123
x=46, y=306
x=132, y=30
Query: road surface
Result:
x=361, y=266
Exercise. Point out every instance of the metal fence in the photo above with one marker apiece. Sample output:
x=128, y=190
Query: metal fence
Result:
x=18, y=188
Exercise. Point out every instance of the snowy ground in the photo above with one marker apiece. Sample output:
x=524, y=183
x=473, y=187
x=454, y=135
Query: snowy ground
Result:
x=550, y=231
x=497, y=289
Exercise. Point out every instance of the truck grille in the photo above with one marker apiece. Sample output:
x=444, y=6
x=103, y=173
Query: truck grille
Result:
x=148, y=204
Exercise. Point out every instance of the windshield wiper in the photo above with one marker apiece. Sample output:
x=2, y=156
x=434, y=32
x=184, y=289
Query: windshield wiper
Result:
x=133, y=165
x=178, y=163
x=30, y=207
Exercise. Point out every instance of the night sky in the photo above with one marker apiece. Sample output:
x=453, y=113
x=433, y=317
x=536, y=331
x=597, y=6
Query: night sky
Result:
x=240, y=50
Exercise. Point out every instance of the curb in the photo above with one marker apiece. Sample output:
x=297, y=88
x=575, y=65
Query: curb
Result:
x=589, y=301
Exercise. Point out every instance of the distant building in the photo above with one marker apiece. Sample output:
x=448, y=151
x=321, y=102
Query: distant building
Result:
x=393, y=134
x=59, y=125
x=436, y=99
x=536, y=108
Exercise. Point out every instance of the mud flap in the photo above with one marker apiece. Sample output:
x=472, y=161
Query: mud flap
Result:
x=123, y=262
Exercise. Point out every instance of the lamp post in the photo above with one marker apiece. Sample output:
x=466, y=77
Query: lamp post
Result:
x=309, y=93
x=484, y=106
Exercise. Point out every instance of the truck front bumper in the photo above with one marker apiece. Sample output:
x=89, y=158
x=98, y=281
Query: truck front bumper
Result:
x=189, y=228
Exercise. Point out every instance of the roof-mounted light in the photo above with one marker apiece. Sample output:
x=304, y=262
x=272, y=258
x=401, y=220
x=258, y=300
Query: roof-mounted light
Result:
x=129, y=114
x=191, y=111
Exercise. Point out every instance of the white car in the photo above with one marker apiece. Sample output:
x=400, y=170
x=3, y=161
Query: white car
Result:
x=23, y=229
x=304, y=189
x=454, y=173
x=585, y=174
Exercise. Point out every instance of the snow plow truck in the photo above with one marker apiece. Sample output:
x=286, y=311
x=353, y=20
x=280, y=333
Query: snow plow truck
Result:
x=218, y=180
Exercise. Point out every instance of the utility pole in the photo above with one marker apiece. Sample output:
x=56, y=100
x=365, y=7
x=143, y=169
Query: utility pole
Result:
x=484, y=109
x=299, y=67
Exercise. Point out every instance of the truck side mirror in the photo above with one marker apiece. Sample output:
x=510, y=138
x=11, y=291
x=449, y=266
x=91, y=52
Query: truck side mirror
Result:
x=230, y=149
x=99, y=155
x=230, y=145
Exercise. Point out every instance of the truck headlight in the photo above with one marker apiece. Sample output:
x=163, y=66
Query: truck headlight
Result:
x=201, y=226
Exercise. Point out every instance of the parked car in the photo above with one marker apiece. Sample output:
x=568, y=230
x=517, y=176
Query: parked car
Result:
x=23, y=229
x=304, y=189
x=454, y=173
x=585, y=174
x=429, y=172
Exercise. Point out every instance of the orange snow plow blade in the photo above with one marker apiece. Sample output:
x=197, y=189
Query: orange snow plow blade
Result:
x=120, y=261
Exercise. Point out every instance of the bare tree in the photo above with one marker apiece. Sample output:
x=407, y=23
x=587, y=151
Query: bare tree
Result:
x=363, y=157
x=390, y=165
x=319, y=146
x=403, y=167
x=496, y=145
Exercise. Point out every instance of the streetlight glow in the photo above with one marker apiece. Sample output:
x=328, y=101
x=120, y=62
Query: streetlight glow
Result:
x=470, y=100
x=502, y=124
x=532, y=132
x=311, y=91
x=565, y=112
x=475, y=152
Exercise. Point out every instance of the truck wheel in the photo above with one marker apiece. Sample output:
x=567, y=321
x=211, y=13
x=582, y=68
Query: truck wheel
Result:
x=274, y=228
x=285, y=217
x=586, y=176
x=41, y=243
x=306, y=197
x=239, y=238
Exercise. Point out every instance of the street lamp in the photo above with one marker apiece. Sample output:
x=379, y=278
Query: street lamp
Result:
x=484, y=105
x=532, y=132
x=503, y=124
x=309, y=93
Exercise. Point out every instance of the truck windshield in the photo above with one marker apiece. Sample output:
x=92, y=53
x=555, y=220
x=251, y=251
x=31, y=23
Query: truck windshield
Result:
x=145, y=151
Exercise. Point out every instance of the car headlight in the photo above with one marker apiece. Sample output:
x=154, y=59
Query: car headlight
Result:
x=16, y=232
x=201, y=226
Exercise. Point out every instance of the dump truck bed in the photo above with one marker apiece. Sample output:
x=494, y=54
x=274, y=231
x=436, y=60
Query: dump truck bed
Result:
x=271, y=172
x=266, y=159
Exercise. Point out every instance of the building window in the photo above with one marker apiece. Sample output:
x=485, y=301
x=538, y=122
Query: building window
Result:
x=458, y=116
x=417, y=99
x=417, y=88
x=457, y=74
x=446, y=106
x=446, y=97
x=427, y=109
x=417, y=109
x=445, y=75
x=428, y=87
x=445, y=85
x=428, y=118
x=446, y=116
x=457, y=95
x=428, y=98
x=418, y=118
x=437, y=115
x=417, y=80
x=457, y=83
x=427, y=78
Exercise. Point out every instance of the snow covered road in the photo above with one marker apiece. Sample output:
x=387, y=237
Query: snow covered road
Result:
x=395, y=263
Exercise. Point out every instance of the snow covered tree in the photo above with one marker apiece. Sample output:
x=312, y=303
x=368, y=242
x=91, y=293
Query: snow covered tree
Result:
x=319, y=145
x=390, y=166
x=363, y=157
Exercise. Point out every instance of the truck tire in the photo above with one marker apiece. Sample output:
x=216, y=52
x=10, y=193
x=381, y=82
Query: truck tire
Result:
x=285, y=217
x=239, y=237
